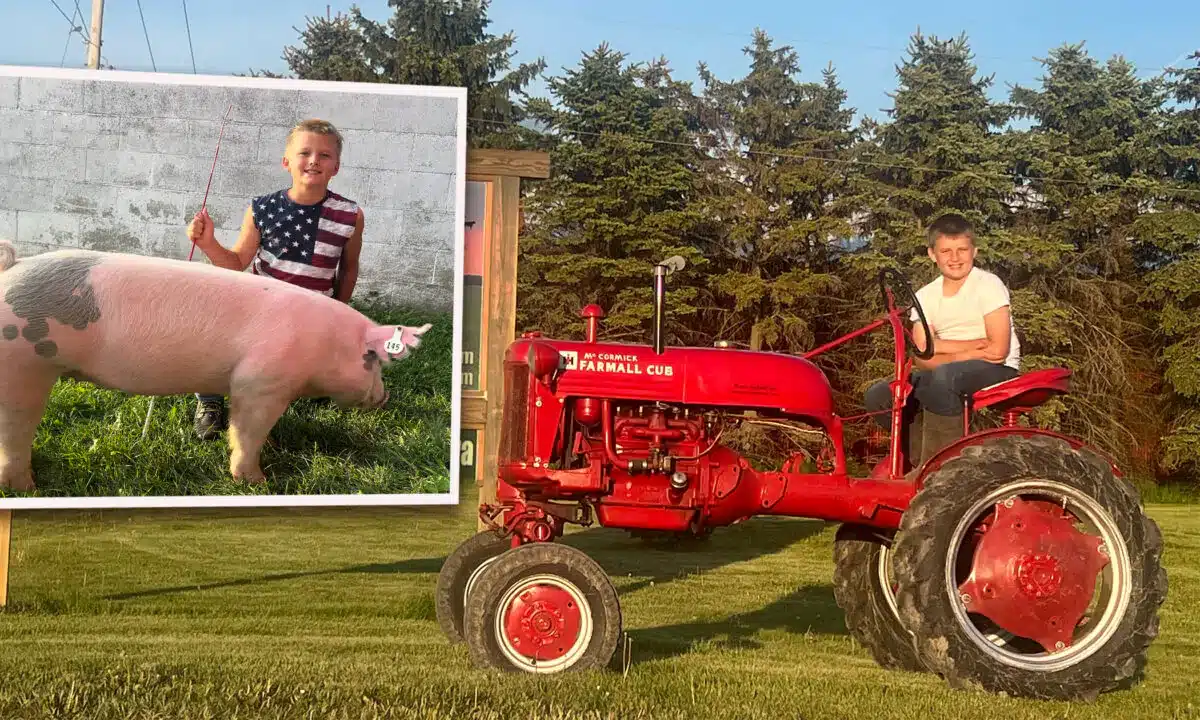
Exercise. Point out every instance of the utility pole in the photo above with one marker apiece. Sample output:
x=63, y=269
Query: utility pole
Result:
x=93, y=60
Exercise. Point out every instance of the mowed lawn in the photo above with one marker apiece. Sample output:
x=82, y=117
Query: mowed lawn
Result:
x=329, y=614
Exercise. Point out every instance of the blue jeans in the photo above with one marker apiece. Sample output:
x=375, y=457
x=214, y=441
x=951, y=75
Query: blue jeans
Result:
x=941, y=391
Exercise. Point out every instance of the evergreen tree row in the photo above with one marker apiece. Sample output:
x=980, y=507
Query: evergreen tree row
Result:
x=786, y=208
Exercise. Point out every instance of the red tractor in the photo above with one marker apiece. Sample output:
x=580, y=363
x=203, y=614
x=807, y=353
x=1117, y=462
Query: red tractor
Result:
x=1015, y=559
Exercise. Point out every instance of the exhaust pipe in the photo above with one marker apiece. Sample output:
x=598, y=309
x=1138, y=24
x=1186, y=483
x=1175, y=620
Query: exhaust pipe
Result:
x=661, y=271
x=660, y=283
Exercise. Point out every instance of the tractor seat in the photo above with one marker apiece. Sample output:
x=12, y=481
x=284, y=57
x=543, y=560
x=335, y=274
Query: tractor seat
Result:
x=1024, y=392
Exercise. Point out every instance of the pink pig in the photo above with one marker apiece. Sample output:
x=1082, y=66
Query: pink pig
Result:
x=153, y=326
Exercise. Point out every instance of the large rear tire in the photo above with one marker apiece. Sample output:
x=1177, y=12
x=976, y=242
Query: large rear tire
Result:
x=543, y=608
x=865, y=591
x=1004, y=590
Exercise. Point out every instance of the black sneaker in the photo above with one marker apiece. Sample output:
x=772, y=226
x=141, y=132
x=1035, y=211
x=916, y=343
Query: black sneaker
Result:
x=210, y=419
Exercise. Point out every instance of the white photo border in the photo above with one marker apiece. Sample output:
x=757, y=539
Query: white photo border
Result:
x=251, y=501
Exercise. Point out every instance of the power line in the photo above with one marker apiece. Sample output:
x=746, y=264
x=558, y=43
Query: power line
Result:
x=66, y=47
x=778, y=42
x=67, y=44
x=87, y=41
x=147, y=33
x=188, y=25
x=67, y=17
x=842, y=161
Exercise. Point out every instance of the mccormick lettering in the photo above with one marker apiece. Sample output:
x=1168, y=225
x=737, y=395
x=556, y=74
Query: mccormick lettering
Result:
x=617, y=358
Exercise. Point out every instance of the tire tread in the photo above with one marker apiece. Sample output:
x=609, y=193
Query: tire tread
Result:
x=918, y=560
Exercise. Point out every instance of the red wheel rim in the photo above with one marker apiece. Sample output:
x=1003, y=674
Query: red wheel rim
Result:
x=543, y=623
x=1039, y=575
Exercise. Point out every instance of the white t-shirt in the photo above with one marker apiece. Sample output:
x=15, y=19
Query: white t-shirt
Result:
x=960, y=316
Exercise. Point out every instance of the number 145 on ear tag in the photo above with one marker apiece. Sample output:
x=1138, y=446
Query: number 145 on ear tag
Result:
x=395, y=345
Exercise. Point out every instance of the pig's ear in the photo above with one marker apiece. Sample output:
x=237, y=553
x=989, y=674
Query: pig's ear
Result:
x=394, y=341
x=376, y=338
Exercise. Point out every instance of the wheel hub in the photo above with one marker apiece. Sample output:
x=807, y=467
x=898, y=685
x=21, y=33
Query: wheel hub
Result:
x=1039, y=575
x=542, y=622
x=1034, y=572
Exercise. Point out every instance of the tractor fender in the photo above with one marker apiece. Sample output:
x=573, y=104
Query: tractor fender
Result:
x=976, y=438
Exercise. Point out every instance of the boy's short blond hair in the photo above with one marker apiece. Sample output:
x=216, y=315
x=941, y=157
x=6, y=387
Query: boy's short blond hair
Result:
x=319, y=127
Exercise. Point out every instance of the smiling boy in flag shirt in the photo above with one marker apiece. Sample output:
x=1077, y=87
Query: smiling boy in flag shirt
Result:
x=305, y=235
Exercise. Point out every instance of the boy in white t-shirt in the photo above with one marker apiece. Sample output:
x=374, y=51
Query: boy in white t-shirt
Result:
x=975, y=343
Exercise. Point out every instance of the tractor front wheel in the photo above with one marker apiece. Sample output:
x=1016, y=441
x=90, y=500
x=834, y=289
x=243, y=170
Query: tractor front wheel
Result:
x=1026, y=567
x=864, y=589
x=543, y=608
x=457, y=579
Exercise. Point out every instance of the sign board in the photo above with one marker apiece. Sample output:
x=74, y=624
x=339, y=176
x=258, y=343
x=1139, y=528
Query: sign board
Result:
x=492, y=217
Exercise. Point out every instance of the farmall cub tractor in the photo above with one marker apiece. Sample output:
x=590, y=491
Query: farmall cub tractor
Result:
x=1015, y=559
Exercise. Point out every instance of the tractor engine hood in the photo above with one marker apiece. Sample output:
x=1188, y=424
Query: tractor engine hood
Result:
x=681, y=375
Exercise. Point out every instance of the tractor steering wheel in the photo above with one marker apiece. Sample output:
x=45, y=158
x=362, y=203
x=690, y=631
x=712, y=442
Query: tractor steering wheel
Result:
x=901, y=289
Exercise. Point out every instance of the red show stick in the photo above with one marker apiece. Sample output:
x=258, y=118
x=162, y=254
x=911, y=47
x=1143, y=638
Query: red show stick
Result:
x=204, y=204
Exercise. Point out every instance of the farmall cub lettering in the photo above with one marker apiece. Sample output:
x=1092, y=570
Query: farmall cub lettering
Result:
x=1021, y=560
x=620, y=363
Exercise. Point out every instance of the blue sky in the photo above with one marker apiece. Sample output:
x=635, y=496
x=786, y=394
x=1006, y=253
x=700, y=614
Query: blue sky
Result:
x=864, y=40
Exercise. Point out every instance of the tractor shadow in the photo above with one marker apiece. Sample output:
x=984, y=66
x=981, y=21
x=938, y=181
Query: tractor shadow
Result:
x=416, y=566
x=620, y=554
x=810, y=609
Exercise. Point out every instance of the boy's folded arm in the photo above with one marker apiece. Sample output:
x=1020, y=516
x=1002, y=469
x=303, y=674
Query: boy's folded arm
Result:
x=949, y=350
x=995, y=348
x=950, y=347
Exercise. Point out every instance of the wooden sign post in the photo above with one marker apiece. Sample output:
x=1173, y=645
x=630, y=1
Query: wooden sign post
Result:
x=5, y=549
x=493, y=201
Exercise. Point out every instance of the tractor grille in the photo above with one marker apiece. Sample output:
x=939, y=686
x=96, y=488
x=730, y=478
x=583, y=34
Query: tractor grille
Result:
x=515, y=420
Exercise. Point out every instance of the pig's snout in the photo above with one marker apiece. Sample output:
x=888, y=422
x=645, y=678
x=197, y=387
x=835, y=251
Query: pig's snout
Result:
x=378, y=399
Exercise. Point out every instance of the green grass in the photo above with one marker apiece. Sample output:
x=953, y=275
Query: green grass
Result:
x=329, y=614
x=1169, y=493
x=90, y=440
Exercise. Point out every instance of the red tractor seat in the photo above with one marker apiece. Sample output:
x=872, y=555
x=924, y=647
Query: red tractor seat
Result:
x=1024, y=392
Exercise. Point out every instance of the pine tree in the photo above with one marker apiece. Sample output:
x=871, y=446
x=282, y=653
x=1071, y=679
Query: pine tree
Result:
x=1086, y=175
x=940, y=150
x=427, y=42
x=1174, y=283
x=619, y=200
x=332, y=49
x=774, y=192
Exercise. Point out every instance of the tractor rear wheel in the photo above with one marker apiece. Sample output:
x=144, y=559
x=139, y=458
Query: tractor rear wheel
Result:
x=865, y=591
x=543, y=608
x=458, y=576
x=1027, y=567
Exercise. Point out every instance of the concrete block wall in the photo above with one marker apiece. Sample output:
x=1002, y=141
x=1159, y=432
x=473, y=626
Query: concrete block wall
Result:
x=115, y=161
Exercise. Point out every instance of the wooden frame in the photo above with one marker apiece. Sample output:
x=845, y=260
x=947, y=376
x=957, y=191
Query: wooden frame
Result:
x=500, y=172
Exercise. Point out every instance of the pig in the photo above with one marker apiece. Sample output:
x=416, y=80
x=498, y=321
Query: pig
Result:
x=156, y=326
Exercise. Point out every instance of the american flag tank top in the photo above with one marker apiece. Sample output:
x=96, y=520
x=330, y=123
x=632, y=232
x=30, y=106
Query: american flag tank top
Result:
x=302, y=244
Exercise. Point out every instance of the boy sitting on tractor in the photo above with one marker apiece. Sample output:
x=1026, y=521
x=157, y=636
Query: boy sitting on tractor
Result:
x=967, y=309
